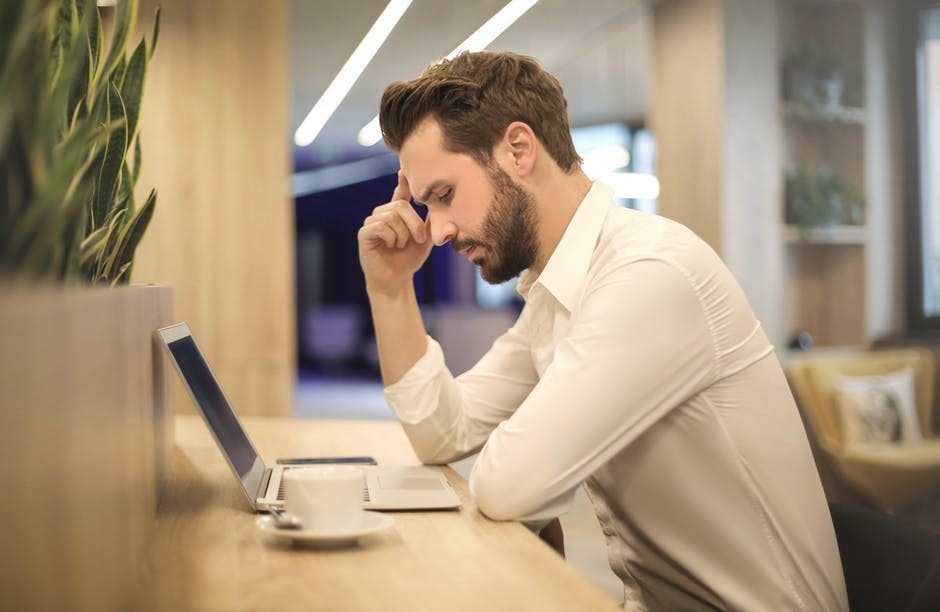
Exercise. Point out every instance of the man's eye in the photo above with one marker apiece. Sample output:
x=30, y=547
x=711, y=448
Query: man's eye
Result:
x=446, y=196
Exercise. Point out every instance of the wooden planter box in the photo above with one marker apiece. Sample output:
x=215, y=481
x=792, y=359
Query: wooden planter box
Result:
x=86, y=431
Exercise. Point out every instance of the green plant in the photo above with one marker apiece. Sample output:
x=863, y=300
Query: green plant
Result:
x=816, y=77
x=68, y=118
x=816, y=197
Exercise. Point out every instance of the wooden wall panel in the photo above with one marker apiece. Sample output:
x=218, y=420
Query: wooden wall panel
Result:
x=687, y=112
x=827, y=289
x=215, y=140
x=714, y=113
x=85, y=432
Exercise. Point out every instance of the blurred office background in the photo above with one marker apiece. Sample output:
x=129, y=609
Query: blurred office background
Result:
x=730, y=116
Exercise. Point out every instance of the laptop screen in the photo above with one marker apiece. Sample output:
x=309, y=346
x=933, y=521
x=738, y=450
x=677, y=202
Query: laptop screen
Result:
x=212, y=401
x=216, y=410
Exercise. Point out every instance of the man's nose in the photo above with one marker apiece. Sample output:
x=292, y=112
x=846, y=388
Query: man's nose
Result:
x=442, y=230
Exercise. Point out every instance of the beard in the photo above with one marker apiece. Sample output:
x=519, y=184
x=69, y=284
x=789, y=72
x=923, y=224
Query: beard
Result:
x=509, y=242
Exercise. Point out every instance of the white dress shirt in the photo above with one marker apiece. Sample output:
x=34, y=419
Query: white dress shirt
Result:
x=638, y=369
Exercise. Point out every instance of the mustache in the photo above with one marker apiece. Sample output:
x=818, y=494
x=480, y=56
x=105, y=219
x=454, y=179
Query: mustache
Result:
x=463, y=245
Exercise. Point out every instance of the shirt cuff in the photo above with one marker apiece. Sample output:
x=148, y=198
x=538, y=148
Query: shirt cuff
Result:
x=405, y=396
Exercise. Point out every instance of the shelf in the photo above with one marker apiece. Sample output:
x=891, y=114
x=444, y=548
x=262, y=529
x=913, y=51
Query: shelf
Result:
x=824, y=114
x=829, y=278
x=852, y=3
x=790, y=356
x=836, y=234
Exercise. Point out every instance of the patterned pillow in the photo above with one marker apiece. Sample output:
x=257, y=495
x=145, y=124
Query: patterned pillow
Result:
x=878, y=408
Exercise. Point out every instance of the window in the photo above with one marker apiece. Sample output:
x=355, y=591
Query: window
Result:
x=923, y=181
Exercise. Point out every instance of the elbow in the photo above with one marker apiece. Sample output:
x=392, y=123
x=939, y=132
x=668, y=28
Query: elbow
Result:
x=493, y=506
x=499, y=499
x=427, y=457
x=522, y=494
x=435, y=454
x=435, y=447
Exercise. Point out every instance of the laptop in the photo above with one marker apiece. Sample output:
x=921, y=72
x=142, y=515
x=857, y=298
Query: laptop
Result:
x=386, y=487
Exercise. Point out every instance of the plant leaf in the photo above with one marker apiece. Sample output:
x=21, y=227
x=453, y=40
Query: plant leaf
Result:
x=138, y=160
x=110, y=170
x=134, y=230
x=57, y=204
x=123, y=275
x=71, y=267
x=117, y=75
x=133, y=86
x=91, y=52
x=108, y=255
x=124, y=19
x=156, y=32
x=92, y=245
x=125, y=193
x=62, y=33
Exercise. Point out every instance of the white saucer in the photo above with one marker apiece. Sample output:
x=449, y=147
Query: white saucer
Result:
x=371, y=522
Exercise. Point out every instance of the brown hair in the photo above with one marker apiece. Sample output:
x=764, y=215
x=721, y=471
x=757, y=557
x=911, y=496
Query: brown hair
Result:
x=474, y=97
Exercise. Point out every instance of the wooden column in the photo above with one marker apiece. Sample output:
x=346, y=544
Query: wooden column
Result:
x=714, y=113
x=215, y=140
x=686, y=113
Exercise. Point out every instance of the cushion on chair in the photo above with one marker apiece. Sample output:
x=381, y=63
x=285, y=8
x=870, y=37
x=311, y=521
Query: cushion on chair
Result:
x=814, y=380
x=887, y=474
x=878, y=408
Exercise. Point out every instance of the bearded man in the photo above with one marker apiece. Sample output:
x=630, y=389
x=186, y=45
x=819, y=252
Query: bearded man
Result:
x=636, y=368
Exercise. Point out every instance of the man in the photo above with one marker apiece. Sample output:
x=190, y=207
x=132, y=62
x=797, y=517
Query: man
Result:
x=636, y=367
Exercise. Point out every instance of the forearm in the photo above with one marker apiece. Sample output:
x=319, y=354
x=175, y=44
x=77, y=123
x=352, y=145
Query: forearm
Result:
x=447, y=418
x=399, y=331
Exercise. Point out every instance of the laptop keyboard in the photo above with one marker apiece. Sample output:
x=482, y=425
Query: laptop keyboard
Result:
x=280, y=490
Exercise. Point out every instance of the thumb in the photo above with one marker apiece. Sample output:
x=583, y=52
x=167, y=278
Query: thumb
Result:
x=402, y=191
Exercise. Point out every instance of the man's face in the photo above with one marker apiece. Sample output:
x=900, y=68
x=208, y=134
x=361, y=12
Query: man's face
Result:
x=478, y=209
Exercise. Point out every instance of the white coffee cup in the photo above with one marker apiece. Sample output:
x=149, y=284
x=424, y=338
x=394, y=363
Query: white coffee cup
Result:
x=325, y=498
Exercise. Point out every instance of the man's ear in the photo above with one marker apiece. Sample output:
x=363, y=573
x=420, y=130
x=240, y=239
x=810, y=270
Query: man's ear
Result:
x=522, y=146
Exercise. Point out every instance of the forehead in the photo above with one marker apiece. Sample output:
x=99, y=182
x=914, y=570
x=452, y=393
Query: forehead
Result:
x=424, y=160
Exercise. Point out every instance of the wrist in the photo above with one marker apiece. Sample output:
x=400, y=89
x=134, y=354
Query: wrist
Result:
x=390, y=293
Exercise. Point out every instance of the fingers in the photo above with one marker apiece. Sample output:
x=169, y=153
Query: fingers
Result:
x=403, y=190
x=379, y=232
x=395, y=224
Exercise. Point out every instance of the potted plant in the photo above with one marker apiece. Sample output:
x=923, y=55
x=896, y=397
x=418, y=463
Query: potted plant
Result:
x=86, y=405
x=68, y=119
x=815, y=77
x=817, y=197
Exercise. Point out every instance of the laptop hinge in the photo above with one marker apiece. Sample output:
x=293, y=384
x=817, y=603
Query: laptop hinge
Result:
x=263, y=487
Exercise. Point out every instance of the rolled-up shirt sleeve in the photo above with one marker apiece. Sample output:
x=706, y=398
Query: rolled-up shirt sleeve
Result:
x=448, y=418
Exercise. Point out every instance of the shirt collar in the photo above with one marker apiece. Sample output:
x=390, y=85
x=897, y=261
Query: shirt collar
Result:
x=566, y=270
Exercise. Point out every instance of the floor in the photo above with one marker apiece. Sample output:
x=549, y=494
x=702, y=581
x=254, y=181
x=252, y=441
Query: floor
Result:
x=584, y=542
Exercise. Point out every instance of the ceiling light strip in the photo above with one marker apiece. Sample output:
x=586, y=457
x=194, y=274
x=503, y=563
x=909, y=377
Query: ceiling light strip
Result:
x=350, y=72
x=496, y=25
x=371, y=133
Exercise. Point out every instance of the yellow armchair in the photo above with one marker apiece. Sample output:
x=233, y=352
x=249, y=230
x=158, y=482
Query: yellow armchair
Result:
x=889, y=475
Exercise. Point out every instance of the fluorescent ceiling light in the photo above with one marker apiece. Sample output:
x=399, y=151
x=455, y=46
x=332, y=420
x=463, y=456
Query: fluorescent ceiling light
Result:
x=349, y=73
x=496, y=25
x=632, y=185
x=371, y=133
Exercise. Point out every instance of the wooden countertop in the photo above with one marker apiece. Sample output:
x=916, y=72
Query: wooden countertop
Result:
x=208, y=555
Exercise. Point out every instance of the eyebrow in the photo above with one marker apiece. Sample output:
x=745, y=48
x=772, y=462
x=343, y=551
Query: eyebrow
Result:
x=431, y=188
